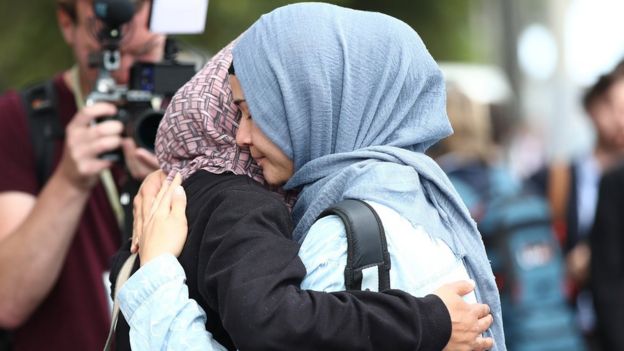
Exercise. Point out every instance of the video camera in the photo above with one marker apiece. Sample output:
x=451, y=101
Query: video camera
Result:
x=139, y=104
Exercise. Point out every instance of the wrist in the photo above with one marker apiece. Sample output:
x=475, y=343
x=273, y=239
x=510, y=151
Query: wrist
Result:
x=72, y=186
x=70, y=178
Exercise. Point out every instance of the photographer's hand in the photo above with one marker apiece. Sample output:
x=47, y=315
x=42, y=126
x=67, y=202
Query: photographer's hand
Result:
x=85, y=140
x=139, y=161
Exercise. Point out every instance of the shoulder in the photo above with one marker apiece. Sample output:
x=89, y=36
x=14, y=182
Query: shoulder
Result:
x=227, y=185
x=13, y=124
x=328, y=228
x=10, y=105
x=234, y=197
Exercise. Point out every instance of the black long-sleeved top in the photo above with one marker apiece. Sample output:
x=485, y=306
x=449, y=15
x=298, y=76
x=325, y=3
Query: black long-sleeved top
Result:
x=244, y=271
x=607, y=260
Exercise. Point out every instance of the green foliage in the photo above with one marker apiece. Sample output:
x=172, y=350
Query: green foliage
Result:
x=228, y=19
x=442, y=24
x=31, y=47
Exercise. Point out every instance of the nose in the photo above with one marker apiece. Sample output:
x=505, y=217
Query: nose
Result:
x=243, y=135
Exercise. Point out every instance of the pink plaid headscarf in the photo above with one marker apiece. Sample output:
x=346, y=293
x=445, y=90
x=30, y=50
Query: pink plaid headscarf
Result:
x=198, y=130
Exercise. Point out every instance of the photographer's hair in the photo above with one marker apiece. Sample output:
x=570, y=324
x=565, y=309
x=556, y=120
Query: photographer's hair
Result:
x=598, y=91
x=69, y=6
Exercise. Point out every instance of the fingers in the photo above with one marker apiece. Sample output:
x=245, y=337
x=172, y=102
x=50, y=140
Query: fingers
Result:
x=461, y=287
x=159, y=197
x=484, y=323
x=178, y=204
x=137, y=227
x=482, y=344
x=82, y=130
x=143, y=203
x=166, y=230
x=85, y=141
x=165, y=204
x=88, y=114
x=482, y=309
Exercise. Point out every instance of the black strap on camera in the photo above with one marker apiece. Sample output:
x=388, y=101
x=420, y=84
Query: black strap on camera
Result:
x=366, y=243
x=40, y=103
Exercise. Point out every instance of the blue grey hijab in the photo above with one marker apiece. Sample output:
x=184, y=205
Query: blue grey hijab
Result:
x=354, y=99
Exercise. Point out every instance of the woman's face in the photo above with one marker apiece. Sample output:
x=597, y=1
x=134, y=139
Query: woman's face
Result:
x=276, y=166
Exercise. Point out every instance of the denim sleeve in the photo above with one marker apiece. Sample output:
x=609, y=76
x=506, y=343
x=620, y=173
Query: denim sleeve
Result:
x=159, y=311
x=324, y=254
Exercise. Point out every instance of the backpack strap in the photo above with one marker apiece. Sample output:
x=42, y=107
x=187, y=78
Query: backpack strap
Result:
x=124, y=273
x=368, y=259
x=40, y=103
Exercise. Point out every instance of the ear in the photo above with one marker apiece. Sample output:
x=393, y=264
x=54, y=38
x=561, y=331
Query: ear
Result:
x=66, y=25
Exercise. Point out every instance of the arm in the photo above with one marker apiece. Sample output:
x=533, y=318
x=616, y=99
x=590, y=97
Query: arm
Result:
x=255, y=274
x=607, y=261
x=34, y=235
x=251, y=273
x=155, y=300
x=262, y=306
x=141, y=301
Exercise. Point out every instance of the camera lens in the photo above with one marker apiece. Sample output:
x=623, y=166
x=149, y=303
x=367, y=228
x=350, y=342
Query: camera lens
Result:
x=145, y=129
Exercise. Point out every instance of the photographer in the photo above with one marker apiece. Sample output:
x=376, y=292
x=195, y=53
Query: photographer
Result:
x=57, y=235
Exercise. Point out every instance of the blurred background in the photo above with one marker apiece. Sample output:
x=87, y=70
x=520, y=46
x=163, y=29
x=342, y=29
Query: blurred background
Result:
x=534, y=57
x=528, y=61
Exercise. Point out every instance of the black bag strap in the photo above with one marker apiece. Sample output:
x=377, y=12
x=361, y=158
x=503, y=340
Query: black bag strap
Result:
x=40, y=103
x=366, y=240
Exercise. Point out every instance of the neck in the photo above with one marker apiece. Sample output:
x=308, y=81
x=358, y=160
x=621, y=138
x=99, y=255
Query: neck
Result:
x=77, y=84
x=606, y=158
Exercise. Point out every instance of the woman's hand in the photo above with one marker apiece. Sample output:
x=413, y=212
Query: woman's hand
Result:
x=160, y=220
x=143, y=204
x=468, y=321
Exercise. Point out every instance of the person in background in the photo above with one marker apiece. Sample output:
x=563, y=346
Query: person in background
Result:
x=56, y=237
x=513, y=218
x=607, y=239
x=572, y=191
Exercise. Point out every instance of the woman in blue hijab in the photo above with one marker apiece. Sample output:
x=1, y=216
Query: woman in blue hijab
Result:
x=339, y=104
x=344, y=104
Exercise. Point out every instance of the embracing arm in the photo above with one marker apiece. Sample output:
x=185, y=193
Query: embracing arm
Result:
x=250, y=272
x=157, y=296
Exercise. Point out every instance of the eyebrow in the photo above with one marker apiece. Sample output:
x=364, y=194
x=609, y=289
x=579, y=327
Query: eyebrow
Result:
x=237, y=102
